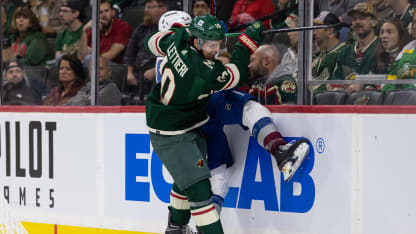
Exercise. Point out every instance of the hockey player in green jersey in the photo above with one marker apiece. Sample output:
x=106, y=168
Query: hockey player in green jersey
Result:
x=177, y=107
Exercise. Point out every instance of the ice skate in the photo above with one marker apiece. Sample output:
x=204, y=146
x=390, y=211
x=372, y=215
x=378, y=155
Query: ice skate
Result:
x=179, y=229
x=291, y=157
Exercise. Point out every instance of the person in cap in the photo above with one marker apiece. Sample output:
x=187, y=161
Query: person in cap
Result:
x=359, y=57
x=403, y=10
x=327, y=40
x=16, y=86
x=71, y=79
x=67, y=41
x=177, y=107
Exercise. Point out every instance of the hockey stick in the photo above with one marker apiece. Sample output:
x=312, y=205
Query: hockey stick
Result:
x=283, y=30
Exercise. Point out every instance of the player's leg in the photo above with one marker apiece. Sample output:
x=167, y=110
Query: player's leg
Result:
x=219, y=185
x=289, y=156
x=179, y=212
x=184, y=157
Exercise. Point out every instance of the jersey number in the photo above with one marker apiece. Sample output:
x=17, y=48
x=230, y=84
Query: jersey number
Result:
x=167, y=75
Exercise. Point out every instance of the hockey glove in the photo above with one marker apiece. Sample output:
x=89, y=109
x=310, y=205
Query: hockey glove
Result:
x=252, y=36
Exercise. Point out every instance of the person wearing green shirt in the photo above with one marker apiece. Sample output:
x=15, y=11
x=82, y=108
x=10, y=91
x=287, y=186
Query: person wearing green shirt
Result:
x=28, y=43
x=404, y=67
x=67, y=41
x=403, y=10
x=328, y=42
x=360, y=56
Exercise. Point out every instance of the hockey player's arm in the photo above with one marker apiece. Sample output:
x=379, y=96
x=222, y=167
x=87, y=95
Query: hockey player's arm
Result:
x=158, y=43
x=237, y=69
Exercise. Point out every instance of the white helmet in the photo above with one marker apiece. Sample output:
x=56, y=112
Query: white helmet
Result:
x=171, y=17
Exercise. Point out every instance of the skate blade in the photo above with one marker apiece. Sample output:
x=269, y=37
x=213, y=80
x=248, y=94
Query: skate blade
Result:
x=303, y=151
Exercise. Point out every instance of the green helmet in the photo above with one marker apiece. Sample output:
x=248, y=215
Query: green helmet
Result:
x=207, y=27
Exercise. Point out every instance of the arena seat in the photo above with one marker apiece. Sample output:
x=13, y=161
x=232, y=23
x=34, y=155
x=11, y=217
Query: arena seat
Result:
x=52, y=78
x=36, y=76
x=329, y=98
x=119, y=75
x=365, y=97
x=401, y=97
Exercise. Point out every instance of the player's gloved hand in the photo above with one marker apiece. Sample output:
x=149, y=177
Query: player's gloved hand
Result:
x=255, y=32
x=252, y=36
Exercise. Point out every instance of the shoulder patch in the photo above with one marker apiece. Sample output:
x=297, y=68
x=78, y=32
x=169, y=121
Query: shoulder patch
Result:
x=288, y=87
x=209, y=63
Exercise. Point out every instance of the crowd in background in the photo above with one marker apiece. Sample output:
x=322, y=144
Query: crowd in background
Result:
x=54, y=36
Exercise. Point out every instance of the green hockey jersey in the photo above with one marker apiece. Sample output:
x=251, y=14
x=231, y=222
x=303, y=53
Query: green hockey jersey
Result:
x=404, y=67
x=323, y=66
x=348, y=60
x=179, y=102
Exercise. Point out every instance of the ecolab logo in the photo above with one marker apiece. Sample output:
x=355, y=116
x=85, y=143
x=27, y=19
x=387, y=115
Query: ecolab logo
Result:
x=238, y=197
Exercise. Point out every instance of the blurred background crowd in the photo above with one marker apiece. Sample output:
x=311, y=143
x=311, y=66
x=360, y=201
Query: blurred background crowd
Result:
x=46, y=49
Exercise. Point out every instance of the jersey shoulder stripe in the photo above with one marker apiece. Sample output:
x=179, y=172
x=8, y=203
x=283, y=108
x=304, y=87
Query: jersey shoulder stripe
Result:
x=153, y=43
x=234, y=76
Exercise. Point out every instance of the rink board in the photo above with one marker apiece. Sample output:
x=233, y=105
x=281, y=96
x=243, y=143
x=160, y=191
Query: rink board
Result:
x=93, y=171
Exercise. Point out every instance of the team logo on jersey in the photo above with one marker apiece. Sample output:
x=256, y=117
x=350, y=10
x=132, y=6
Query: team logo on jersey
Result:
x=209, y=63
x=407, y=71
x=228, y=107
x=223, y=77
x=200, y=23
x=288, y=87
x=200, y=163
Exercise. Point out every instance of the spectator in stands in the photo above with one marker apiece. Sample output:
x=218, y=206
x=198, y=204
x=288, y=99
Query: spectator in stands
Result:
x=16, y=86
x=71, y=79
x=28, y=43
x=114, y=35
x=68, y=40
x=289, y=59
x=7, y=52
x=329, y=46
x=272, y=84
x=140, y=63
x=108, y=93
x=201, y=7
x=360, y=56
x=404, y=66
x=47, y=12
x=339, y=8
x=246, y=11
x=285, y=8
x=10, y=8
x=393, y=37
x=383, y=12
x=403, y=10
